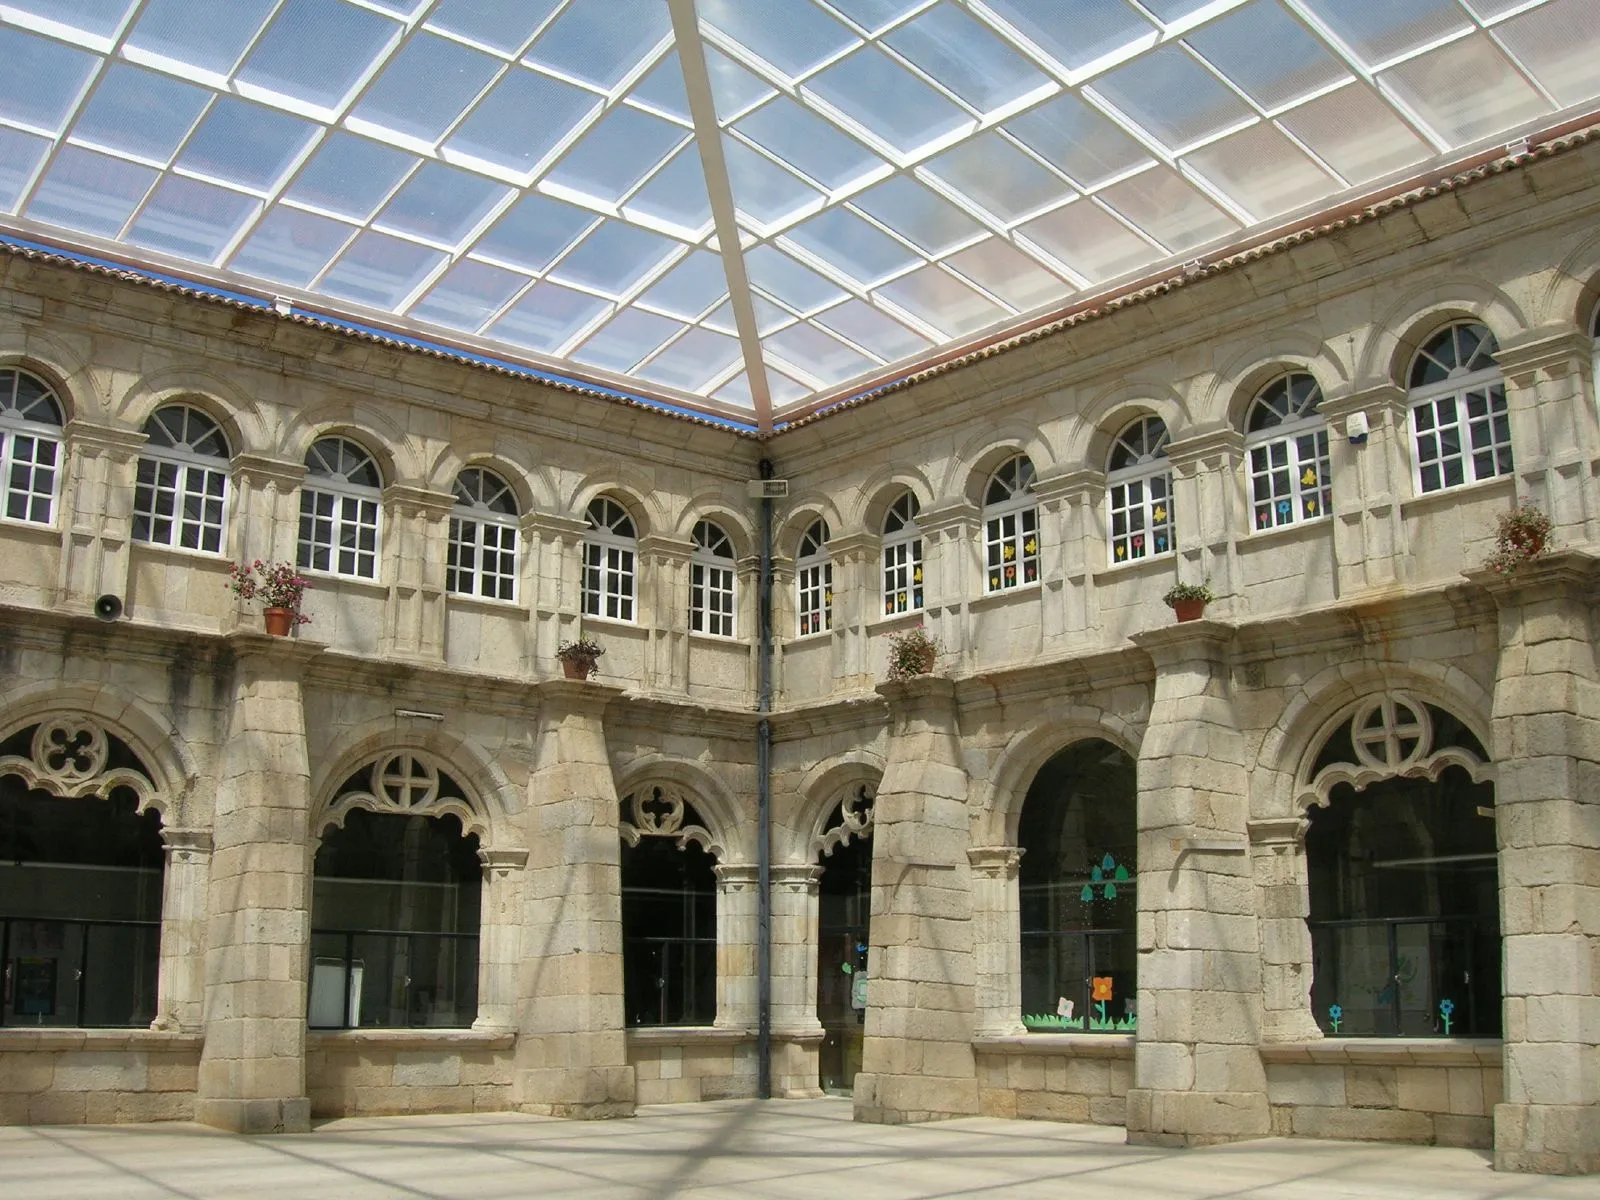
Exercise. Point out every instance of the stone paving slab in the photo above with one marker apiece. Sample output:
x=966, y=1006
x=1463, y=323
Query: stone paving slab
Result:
x=778, y=1150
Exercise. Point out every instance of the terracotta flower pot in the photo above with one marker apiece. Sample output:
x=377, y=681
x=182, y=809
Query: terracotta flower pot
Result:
x=279, y=621
x=577, y=668
x=1189, y=610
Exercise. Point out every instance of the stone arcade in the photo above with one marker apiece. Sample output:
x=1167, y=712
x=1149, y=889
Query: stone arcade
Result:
x=1324, y=863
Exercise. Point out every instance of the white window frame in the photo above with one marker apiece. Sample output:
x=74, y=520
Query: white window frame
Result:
x=712, y=582
x=1289, y=442
x=484, y=558
x=1445, y=408
x=1139, y=492
x=813, y=582
x=1010, y=527
x=42, y=450
x=902, y=557
x=610, y=562
x=175, y=480
x=349, y=510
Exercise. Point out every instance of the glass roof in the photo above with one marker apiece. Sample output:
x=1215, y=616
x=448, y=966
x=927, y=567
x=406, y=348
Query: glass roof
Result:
x=747, y=206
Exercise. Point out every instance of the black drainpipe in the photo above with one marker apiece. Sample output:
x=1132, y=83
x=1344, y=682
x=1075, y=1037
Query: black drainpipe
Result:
x=764, y=803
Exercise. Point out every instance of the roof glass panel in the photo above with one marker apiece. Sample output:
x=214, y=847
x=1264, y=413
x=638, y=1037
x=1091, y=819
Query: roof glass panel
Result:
x=929, y=222
x=787, y=281
x=201, y=33
x=1550, y=42
x=626, y=339
x=997, y=177
x=876, y=332
x=737, y=392
x=90, y=192
x=887, y=100
x=1006, y=272
x=769, y=317
x=191, y=219
x=380, y=270
x=1262, y=171
x=350, y=175
x=532, y=232
x=1356, y=133
x=617, y=154
x=785, y=388
x=1172, y=96
x=42, y=80
x=852, y=246
x=20, y=156
x=614, y=257
x=1098, y=28
x=873, y=15
x=734, y=90
x=662, y=89
x=1271, y=56
x=809, y=144
x=602, y=41
x=547, y=317
x=98, y=18
x=468, y=294
x=425, y=87
x=1089, y=241
x=818, y=353
x=943, y=301
x=442, y=204
x=1079, y=140
x=503, y=25
x=675, y=196
x=1169, y=209
x=140, y=112
x=762, y=189
x=1377, y=30
x=522, y=119
x=694, y=361
x=691, y=287
x=1465, y=90
x=966, y=58
x=246, y=144
x=290, y=246
x=795, y=36
x=316, y=51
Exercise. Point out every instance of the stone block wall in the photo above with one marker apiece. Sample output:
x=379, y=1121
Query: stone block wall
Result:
x=1055, y=1077
x=1438, y=1093
x=377, y=1073
x=96, y=1077
x=675, y=1066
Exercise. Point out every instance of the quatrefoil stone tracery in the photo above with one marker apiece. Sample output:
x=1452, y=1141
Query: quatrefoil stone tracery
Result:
x=406, y=781
x=1391, y=732
x=70, y=751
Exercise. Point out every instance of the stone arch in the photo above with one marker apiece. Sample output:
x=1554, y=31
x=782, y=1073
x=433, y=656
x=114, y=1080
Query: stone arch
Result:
x=152, y=738
x=532, y=485
x=628, y=487
x=881, y=489
x=976, y=461
x=236, y=412
x=1418, y=313
x=1573, y=291
x=712, y=799
x=792, y=527
x=1239, y=380
x=820, y=791
x=997, y=800
x=366, y=425
x=1114, y=410
x=52, y=359
x=1314, y=710
x=714, y=506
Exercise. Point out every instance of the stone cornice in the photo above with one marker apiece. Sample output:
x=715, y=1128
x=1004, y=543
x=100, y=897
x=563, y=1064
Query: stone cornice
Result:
x=1048, y=681
x=662, y=548
x=577, y=697
x=846, y=546
x=1219, y=440
x=846, y=714
x=405, y=497
x=186, y=841
x=95, y=438
x=931, y=698
x=563, y=526
x=948, y=516
x=1186, y=641
x=1559, y=346
x=634, y=711
x=1278, y=831
x=1068, y=484
x=998, y=862
x=1362, y=395
x=1570, y=571
x=250, y=644
x=261, y=468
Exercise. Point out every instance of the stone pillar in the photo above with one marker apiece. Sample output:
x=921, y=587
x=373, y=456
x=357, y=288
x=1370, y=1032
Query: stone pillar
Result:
x=499, y=937
x=181, y=983
x=1198, y=1077
x=663, y=583
x=997, y=941
x=952, y=572
x=1553, y=426
x=1369, y=537
x=96, y=511
x=736, y=945
x=857, y=595
x=917, y=1062
x=1071, y=504
x=796, y=1031
x=1283, y=891
x=264, y=509
x=415, y=531
x=252, y=1069
x=1546, y=750
x=1208, y=509
x=571, y=1056
x=550, y=586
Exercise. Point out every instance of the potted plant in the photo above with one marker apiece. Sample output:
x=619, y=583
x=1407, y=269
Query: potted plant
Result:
x=1521, y=535
x=912, y=652
x=580, y=659
x=1189, y=600
x=280, y=588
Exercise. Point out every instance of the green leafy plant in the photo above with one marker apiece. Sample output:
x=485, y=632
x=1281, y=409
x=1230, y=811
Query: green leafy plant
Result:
x=912, y=652
x=580, y=658
x=1189, y=591
x=1521, y=535
x=275, y=585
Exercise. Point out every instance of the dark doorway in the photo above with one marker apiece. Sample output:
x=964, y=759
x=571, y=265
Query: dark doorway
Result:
x=844, y=901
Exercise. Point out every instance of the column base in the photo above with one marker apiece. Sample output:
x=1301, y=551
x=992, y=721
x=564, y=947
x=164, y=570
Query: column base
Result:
x=576, y=1093
x=1547, y=1139
x=1186, y=1119
x=913, y=1099
x=292, y=1115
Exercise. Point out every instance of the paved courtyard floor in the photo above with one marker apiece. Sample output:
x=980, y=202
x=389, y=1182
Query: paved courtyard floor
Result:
x=748, y=1149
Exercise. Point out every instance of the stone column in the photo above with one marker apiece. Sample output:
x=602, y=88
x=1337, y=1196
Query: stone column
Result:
x=997, y=941
x=796, y=1031
x=571, y=1055
x=1369, y=537
x=1071, y=502
x=1546, y=750
x=1283, y=891
x=1553, y=426
x=415, y=533
x=499, y=937
x=181, y=983
x=857, y=592
x=917, y=1062
x=1207, y=500
x=551, y=586
x=736, y=945
x=252, y=1069
x=96, y=511
x=1198, y=1077
x=664, y=610
x=264, y=513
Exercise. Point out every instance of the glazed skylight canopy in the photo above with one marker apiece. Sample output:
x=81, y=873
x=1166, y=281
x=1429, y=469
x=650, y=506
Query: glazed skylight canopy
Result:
x=749, y=206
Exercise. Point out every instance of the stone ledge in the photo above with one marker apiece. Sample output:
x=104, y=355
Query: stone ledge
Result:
x=683, y=1035
x=412, y=1039
x=1388, y=1052
x=16, y=1040
x=1067, y=1045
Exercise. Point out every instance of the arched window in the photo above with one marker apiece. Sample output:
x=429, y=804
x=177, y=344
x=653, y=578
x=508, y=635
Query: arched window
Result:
x=80, y=879
x=1287, y=441
x=610, y=552
x=813, y=580
x=395, y=902
x=339, y=510
x=1404, y=912
x=669, y=911
x=1139, y=492
x=482, y=558
x=1011, y=526
x=1076, y=889
x=180, y=498
x=30, y=446
x=902, y=557
x=1459, y=420
x=711, y=581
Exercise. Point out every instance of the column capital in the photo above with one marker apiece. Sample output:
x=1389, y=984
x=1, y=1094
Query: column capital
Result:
x=408, y=499
x=955, y=516
x=659, y=548
x=503, y=860
x=1187, y=641
x=797, y=875
x=930, y=697
x=1553, y=349
x=94, y=438
x=185, y=843
x=1574, y=572
x=260, y=469
x=1359, y=395
x=737, y=875
x=1078, y=484
x=559, y=525
x=997, y=862
x=289, y=654
x=1278, y=831
x=575, y=697
x=1220, y=441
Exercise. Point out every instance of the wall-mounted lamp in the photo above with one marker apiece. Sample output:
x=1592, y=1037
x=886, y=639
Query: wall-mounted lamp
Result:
x=1355, y=428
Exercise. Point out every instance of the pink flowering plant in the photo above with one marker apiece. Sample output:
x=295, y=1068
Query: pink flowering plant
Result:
x=912, y=653
x=275, y=585
x=1521, y=535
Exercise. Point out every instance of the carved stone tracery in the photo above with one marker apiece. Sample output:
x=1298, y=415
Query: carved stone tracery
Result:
x=71, y=757
x=407, y=783
x=850, y=820
x=662, y=810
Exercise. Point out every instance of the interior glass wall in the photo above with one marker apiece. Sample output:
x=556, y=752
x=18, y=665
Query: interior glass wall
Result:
x=669, y=933
x=1076, y=886
x=844, y=900
x=394, y=923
